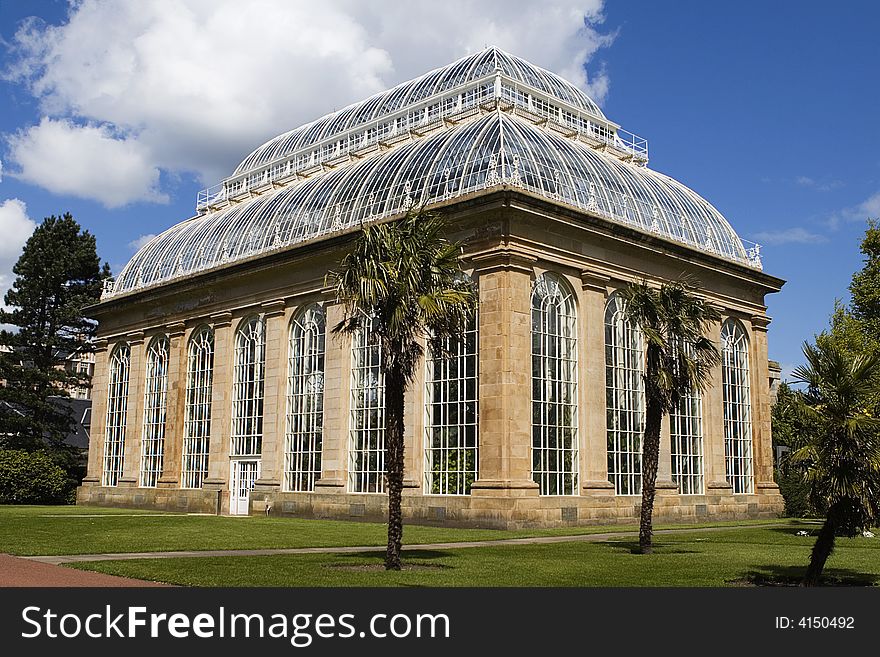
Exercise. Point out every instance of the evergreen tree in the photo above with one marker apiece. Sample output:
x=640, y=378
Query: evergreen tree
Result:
x=856, y=327
x=57, y=275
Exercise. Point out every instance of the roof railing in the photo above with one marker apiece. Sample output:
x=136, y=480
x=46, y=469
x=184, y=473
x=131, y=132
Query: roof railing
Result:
x=458, y=102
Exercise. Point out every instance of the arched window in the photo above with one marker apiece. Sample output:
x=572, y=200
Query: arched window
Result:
x=197, y=412
x=624, y=398
x=451, y=409
x=686, y=437
x=247, y=388
x=366, y=454
x=554, y=387
x=117, y=414
x=155, y=399
x=305, y=400
x=737, y=406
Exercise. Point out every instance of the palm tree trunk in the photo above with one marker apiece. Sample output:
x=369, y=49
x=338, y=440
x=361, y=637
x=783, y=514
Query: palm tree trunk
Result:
x=822, y=549
x=395, y=391
x=650, y=461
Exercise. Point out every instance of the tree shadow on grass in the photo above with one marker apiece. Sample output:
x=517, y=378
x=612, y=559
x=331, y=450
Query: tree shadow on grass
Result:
x=793, y=575
x=632, y=547
x=405, y=554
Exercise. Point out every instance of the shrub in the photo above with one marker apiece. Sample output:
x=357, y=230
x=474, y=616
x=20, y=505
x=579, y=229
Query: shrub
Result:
x=31, y=478
x=795, y=491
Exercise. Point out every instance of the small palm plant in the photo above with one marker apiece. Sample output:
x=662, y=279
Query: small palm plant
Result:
x=678, y=361
x=402, y=283
x=840, y=455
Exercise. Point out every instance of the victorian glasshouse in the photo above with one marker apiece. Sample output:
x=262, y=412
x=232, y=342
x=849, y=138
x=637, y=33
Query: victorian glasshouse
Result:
x=220, y=386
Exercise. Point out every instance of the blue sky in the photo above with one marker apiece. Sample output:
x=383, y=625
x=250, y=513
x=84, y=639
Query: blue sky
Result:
x=120, y=112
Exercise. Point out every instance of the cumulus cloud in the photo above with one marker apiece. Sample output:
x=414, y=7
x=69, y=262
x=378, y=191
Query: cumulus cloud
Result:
x=141, y=241
x=795, y=235
x=86, y=161
x=16, y=227
x=192, y=86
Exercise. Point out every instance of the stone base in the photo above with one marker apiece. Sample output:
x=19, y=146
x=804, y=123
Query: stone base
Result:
x=478, y=511
x=160, y=499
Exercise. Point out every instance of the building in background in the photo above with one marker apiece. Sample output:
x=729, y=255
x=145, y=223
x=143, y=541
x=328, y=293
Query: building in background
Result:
x=218, y=386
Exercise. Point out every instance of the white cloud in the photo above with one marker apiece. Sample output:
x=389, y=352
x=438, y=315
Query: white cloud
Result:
x=795, y=235
x=85, y=161
x=15, y=227
x=141, y=241
x=818, y=185
x=867, y=209
x=193, y=86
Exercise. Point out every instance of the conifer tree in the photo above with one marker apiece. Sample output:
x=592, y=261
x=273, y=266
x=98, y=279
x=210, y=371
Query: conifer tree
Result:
x=57, y=276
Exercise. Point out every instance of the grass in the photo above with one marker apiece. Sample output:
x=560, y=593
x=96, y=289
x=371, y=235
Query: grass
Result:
x=41, y=530
x=724, y=558
x=756, y=551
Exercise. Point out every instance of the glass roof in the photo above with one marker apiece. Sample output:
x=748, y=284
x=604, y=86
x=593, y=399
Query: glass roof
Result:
x=491, y=149
x=468, y=69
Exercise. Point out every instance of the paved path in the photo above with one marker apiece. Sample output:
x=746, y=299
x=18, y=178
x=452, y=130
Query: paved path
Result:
x=537, y=540
x=19, y=572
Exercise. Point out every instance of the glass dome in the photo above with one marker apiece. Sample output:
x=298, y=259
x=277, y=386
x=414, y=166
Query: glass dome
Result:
x=418, y=91
x=493, y=149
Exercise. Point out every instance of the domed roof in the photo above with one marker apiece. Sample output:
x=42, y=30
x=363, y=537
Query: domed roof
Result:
x=488, y=134
x=495, y=149
x=420, y=92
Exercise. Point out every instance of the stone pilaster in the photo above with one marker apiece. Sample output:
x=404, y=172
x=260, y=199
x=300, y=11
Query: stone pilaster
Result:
x=274, y=397
x=337, y=401
x=98, y=415
x=505, y=376
x=762, y=441
x=175, y=406
x=221, y=403
x=591, y=398
x=714, y=468
x=134, y=416
x=414, y=429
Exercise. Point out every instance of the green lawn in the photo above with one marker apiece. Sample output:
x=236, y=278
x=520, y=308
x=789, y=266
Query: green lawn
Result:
x=687, y=559
x=31, y=530
x=748, y=551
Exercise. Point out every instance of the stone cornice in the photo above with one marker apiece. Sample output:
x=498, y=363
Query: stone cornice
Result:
x=502, y=260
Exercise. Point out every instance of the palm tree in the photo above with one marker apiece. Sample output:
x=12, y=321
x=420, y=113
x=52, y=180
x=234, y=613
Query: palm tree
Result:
x=840, y=455
x=678, y=361
x=402, y=282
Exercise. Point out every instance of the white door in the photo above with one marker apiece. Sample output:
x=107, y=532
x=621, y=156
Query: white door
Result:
x=244, y=474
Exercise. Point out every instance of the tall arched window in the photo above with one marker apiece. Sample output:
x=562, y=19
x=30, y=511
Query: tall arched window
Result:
x=366, y=454
x=451, y=409
x=737, y=406
x=197, y=412
x=247, y=388
x=305, y=400
x=554, y=387
x=155, y=399
x=624, y=398
x=117, y=414
x=686, y=436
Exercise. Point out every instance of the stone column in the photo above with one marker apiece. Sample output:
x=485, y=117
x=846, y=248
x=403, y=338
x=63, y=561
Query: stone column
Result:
x=174, y=406
x=414, y=430
x=591, y=352
x=221, y=403
x=134, y=416
x=274, y=398
x=337, y=400
x=505, y=376
x=97, y=427
x=762, y=442
x=665, y=484
x=714, y=468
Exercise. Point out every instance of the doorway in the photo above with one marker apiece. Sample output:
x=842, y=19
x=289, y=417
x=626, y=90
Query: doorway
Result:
x=244, y=475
